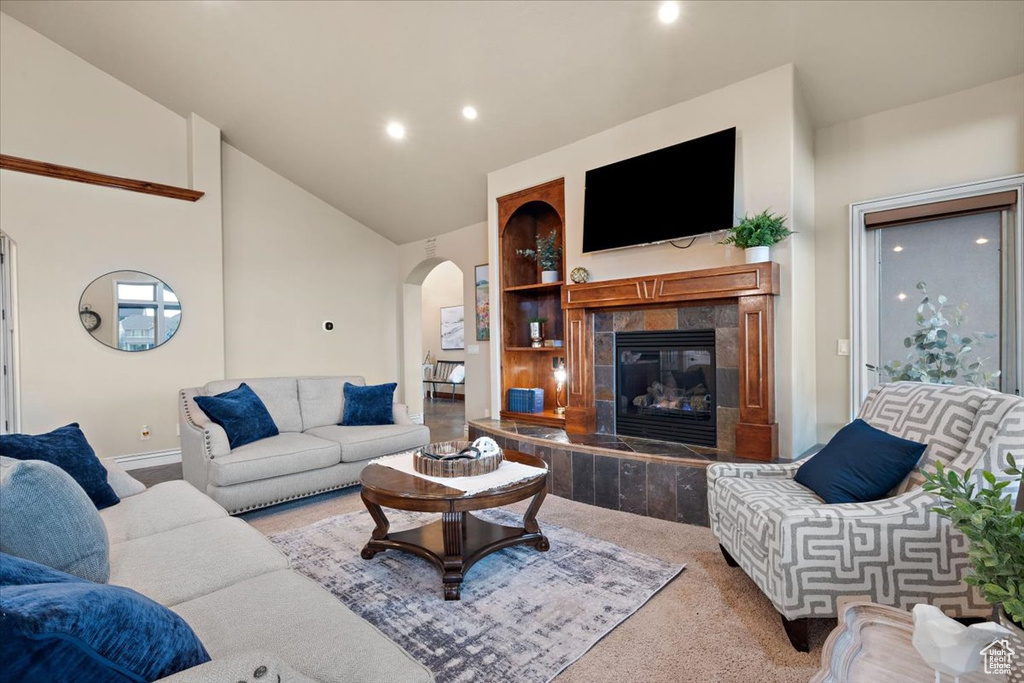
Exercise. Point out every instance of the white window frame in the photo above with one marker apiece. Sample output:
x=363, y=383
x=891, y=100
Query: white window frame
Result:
x=159, y=304
x=10, y=380
x=864, y=260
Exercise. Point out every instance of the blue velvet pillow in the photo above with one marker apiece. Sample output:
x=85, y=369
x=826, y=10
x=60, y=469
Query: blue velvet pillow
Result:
x=859, y=464
x=369, y=405
x=241, y=413
x=57, y=627
x=68, y=449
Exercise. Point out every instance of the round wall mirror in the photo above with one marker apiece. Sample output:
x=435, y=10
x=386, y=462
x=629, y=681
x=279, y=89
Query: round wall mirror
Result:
x=130, y=311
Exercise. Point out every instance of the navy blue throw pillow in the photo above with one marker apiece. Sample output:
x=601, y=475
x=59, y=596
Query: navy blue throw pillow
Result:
x=68, y=449
x=58, y=627
x=241, y=413
x=369, y=405
x=859, y=464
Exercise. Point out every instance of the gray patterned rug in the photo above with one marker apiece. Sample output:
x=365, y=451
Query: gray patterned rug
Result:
x=524, y=615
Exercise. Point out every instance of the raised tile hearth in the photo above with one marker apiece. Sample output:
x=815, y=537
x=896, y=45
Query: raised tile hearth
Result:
x=646, y=477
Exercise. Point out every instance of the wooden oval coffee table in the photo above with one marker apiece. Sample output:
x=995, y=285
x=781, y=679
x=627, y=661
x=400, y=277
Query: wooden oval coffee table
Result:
x=456, y=541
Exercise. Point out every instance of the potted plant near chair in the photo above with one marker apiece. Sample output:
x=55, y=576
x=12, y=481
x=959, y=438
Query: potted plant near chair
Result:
x=548, y=254
x=756, y=235
x=995, y=533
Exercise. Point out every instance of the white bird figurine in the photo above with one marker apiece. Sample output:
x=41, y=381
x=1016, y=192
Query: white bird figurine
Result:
x=948, y=646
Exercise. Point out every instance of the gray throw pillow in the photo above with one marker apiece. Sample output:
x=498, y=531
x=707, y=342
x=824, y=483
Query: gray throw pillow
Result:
x=49, y=519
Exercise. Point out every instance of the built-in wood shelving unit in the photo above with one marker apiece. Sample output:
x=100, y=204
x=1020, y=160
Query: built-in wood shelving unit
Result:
x=522, y=216
x=78, y=175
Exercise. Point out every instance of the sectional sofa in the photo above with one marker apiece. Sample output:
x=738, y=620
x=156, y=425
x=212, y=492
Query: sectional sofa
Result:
x=312, y=453
x=258, y=619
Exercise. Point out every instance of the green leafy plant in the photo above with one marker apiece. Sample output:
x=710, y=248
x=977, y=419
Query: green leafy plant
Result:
x=537, y=319
x=548, y=253
x=762, y=230
x=938, y=350
x=993, y=528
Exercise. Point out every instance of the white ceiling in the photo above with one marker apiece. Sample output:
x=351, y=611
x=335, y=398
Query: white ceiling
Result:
x=308, y=87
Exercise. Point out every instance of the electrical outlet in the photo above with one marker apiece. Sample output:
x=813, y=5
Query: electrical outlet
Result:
x=177, y=430
x=487, y=412
x=842, y=347
x=144, y=432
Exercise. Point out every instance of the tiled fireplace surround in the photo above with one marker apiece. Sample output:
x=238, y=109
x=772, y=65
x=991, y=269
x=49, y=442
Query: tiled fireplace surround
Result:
x=723, y=318
x=642, y=476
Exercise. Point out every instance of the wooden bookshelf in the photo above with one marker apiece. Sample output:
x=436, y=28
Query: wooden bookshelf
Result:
x=522, y=216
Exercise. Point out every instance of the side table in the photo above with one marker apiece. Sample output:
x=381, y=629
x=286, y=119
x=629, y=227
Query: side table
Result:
x=873, y=643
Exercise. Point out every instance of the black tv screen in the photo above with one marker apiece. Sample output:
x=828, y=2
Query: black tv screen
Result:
x=671, y=193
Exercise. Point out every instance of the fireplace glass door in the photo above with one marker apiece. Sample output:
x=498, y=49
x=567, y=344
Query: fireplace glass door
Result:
x=665, y=386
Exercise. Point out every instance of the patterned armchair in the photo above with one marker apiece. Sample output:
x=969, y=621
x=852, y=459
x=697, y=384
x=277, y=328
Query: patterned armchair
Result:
x=809, y=557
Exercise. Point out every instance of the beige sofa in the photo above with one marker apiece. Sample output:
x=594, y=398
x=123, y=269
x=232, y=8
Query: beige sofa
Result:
x=258, y=619
x=312, y=454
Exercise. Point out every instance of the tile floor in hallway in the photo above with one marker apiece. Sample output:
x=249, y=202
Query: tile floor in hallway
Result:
x=446, y=419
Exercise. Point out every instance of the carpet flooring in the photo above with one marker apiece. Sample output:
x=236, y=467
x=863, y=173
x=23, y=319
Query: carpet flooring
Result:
x=524, y=615
x=710, y=623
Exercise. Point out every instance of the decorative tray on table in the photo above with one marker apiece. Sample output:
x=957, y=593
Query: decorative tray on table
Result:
x=458, y=458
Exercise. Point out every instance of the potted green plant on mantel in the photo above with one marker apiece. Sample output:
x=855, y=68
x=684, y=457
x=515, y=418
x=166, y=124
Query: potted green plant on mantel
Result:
x=995, y=534
x=548, y=254
x=756, y=235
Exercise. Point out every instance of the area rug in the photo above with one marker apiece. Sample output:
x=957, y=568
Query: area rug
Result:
x=524, y=615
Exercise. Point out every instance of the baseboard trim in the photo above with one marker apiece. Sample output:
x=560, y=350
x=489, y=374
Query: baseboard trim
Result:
x=152, y=459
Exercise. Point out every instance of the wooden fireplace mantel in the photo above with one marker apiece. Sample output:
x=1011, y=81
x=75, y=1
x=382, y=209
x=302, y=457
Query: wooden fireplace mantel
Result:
x=752, y=286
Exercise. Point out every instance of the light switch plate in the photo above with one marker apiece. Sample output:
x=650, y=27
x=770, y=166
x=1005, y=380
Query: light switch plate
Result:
x=473, y=350
x=842, y=347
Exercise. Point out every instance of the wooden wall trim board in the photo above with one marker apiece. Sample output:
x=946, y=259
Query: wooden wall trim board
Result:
x=752, y=287
x=78, y=175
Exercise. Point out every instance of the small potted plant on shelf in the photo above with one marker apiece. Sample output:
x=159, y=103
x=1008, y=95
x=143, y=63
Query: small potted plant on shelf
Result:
x=995, y=533
x=756, y=234
x=548, y=254
x=537, y=331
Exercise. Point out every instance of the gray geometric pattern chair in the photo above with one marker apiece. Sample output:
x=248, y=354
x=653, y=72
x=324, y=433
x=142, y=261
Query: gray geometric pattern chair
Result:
x=809, y=558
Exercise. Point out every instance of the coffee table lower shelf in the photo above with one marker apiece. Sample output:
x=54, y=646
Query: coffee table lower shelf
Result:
x=454, y=543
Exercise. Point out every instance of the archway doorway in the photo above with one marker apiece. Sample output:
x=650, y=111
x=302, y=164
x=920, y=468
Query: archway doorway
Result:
x=434, y=329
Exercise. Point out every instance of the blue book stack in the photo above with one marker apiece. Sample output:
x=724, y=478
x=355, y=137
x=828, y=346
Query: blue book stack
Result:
x=526, y=400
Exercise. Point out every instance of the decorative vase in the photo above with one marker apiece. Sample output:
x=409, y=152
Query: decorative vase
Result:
x=1016, y=639
x=549, y=276
x=757, y=254
x=537, y=335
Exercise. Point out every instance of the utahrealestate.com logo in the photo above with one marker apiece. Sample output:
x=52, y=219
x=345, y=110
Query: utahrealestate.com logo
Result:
x=999, y=658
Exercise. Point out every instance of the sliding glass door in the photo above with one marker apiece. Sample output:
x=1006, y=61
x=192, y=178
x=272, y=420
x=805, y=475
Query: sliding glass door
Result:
x=936, y=288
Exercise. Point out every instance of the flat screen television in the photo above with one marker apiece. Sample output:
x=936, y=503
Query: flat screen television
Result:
x=672, y=193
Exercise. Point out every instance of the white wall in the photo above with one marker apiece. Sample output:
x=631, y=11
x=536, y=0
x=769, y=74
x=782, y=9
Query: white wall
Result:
x=443, y=287
x=763, y=109
x=971, y=135
x=55, y=107
x=255, y=284
x=292, y=261
x=466, y=248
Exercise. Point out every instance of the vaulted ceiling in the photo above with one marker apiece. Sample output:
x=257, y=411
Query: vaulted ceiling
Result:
x=307, y=88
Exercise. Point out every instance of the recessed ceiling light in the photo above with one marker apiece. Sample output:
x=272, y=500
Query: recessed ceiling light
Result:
x=396, y=130
x=981, y=240
x=668, y=12
x=469, y=112
x=897, y=248
x=901, y=296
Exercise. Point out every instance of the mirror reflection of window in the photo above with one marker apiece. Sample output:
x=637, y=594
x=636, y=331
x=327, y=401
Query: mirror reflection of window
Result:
x=136, y=311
